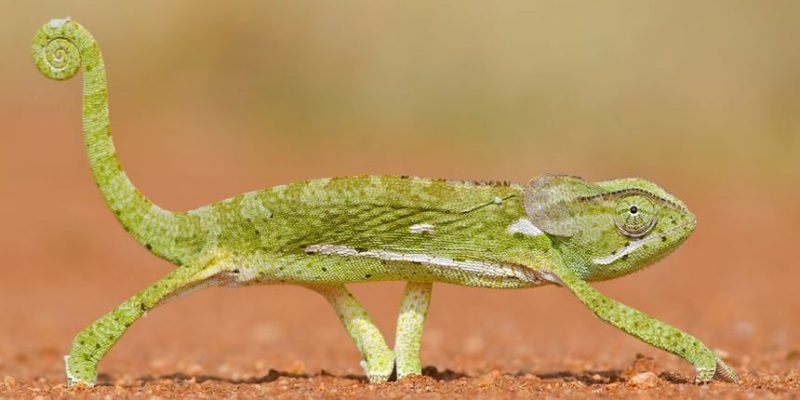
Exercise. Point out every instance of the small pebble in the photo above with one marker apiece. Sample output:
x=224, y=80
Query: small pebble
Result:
x=644, y=380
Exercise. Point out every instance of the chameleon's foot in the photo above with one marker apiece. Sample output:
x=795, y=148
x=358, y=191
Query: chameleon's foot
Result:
x=705, y=373
x=408, y=365
x=80, y=372
x=406, y=373
x=726, y=372
x=379, y=367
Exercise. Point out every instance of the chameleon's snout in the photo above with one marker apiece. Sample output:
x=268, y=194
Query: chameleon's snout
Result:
x=691, y=223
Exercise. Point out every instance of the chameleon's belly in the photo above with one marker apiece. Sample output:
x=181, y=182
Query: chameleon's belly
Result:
x=343, y=265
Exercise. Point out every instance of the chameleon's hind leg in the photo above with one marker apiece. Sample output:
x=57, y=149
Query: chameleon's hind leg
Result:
x=93, y=342
x=378, y=359
x=414, y=306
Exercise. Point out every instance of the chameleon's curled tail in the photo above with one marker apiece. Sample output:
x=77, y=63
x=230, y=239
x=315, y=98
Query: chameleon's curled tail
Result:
x=60, y=48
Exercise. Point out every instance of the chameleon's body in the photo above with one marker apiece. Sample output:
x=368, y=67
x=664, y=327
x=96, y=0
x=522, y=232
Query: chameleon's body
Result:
x=325, y=233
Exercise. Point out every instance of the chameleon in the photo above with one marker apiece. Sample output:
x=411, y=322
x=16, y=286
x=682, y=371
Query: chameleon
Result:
x=323, y=234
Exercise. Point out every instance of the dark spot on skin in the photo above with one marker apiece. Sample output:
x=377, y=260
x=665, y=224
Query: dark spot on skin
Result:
x=148, y=246
x=360, y=249
x=663, y=238
x=236, y=271
x=404, y=176
x=368, y=276
x=324, y=269
x=613, y=252
x=416, y=263
x=258, y=233
x=625, y=257
x=280, y=268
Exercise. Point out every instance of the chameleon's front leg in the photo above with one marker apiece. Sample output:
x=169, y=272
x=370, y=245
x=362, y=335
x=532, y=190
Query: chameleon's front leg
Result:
x=651, y=330
x=414, y=306
x=378, y=360
x=93, y=342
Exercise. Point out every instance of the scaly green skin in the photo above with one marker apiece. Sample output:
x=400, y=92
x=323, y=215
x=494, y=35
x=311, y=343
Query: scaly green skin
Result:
x=325, y=233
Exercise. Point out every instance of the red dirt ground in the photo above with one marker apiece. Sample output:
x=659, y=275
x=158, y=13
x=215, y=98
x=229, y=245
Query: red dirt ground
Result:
x=734, y=285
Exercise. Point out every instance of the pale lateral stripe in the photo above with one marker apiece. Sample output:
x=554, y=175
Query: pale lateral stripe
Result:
x=525, y=227
x=471, y=266
x=630, y=248
x=634, y=245
x=421, y=228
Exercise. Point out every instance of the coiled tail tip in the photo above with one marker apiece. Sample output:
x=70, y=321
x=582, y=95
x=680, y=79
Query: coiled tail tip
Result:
x=56, y=48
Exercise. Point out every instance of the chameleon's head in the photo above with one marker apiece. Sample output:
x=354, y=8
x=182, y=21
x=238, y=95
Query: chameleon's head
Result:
x=611, y=228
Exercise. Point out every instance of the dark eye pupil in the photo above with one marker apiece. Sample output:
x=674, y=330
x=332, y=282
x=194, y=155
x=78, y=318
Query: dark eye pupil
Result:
x=634, y=209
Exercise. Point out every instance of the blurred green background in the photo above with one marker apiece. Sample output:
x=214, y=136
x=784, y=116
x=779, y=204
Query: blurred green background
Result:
x=465, y=89
x=211, y=99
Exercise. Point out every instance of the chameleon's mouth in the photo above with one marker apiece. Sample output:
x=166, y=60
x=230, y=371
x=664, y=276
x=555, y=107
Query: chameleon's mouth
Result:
x=636, y=244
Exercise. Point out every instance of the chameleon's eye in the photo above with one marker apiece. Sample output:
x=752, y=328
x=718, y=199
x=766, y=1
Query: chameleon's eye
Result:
x=635, y=216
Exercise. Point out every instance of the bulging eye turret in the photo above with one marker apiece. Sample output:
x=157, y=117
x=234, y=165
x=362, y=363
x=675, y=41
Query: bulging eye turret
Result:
x=635, y=216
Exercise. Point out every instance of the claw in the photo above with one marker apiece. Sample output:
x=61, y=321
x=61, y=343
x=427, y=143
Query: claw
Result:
x=719, y=370
x=377, y=374
x=74, y=381
x=704, y=375
x=725, y=371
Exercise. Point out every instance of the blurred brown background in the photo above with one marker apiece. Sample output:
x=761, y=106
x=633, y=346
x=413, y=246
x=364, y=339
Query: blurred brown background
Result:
x=211, y=99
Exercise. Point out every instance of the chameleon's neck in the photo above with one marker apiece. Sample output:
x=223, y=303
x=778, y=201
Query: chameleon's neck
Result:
x=60, y=48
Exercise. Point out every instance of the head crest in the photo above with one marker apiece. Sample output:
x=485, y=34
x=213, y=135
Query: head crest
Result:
x=550, y=202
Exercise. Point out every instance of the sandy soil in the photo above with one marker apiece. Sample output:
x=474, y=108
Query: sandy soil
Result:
x=67, y=262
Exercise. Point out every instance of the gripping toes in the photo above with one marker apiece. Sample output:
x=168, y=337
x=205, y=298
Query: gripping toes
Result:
x=378, y=367
x=705, y=373
x=79, y=372
x=726, y=372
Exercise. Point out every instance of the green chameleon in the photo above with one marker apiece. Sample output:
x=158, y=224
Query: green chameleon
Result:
x=324, y=233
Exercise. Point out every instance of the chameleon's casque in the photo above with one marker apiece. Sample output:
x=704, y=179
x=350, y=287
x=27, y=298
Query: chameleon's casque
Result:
x=325, y=233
